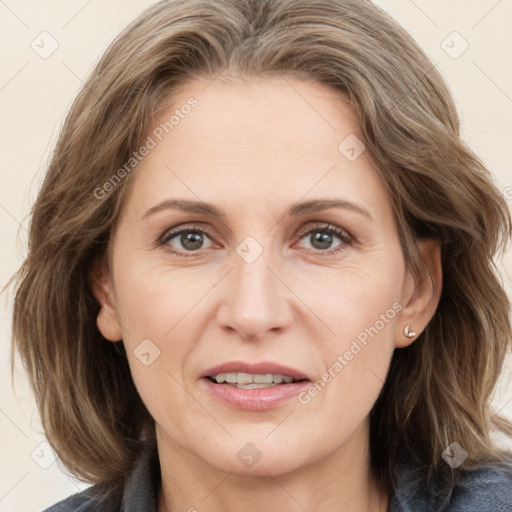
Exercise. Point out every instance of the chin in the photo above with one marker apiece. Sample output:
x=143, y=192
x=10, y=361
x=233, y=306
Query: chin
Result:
x=267, y=465
x=253, y=455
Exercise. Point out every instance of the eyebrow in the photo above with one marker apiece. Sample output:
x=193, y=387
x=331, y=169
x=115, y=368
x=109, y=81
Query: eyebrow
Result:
x=302, y=208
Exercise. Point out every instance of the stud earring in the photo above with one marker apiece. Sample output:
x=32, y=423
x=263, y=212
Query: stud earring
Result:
x=408, y=333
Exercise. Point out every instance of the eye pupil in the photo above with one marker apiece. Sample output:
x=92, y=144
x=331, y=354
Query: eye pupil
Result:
x=192, y=240
x=324, y=239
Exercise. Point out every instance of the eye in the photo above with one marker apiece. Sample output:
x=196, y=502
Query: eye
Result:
x=321, y=238
x=191, y=240
x=181, y=241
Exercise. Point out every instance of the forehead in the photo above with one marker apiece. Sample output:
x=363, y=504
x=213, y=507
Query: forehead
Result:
x=279, y=138
x=264, y=116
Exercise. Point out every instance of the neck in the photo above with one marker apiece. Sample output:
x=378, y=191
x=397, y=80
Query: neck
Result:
x=339, y=482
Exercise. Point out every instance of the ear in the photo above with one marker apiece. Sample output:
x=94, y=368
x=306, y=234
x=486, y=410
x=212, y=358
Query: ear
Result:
x=102, y=289
x=421, y=296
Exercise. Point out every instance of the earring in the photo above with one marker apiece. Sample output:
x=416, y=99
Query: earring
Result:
x=408, y=332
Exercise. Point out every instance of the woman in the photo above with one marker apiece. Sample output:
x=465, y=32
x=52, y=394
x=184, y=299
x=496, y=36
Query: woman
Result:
x=261, y=272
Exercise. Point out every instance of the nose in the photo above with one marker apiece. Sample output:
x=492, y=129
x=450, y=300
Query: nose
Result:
x=256, y=300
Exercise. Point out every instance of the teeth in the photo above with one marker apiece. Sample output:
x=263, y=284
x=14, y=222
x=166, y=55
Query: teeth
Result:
x=253, y=386
x=244, y=378
x=252, y=381
x=260, y=379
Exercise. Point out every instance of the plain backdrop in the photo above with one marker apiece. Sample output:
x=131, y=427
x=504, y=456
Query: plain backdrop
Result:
x=469, y=41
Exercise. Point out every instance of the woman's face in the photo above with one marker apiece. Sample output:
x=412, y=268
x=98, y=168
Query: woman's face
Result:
x=251, y=267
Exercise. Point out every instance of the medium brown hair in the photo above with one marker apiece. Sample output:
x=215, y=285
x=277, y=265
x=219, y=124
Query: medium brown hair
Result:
x=438, y=390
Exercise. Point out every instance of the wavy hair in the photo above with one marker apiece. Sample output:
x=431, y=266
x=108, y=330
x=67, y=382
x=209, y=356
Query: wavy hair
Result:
x=438, y=389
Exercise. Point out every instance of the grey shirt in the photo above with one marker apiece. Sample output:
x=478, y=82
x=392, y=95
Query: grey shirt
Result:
x=483, y=490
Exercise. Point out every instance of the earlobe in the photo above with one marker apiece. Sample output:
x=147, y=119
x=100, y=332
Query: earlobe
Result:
x=420, y=296
x=101, y=286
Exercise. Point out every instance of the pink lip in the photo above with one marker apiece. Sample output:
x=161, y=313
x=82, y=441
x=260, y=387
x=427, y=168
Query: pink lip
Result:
x=254, y=399
x=255, y=368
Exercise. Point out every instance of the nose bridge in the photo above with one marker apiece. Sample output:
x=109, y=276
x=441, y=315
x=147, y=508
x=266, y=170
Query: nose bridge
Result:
x=253, y=282
x=256, y=301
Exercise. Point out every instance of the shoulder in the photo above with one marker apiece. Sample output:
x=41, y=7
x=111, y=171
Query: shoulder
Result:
x=138, y=492
x=85, y=501
x=485, y=489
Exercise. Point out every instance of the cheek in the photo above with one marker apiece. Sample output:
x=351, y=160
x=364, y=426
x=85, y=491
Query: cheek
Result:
x=155, y=310
x=354, y=296
x=355, y=359
x=360, y=307
x=156, y=301
x=161, y=319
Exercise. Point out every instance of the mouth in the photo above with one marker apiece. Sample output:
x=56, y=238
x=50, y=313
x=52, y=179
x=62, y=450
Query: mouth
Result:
x=253, y=386
x=252, y=380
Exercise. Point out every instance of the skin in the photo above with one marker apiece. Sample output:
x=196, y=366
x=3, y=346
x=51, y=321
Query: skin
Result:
x=254, y=148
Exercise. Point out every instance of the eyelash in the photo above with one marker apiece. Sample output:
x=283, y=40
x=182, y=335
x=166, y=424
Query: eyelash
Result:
x=345, y=238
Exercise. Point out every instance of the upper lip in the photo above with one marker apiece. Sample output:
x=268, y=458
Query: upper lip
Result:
x=254, y=368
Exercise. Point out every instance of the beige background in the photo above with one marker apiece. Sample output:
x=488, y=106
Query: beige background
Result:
x=36, y=92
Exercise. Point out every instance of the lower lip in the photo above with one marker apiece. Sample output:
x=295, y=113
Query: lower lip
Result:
x=254, y=399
